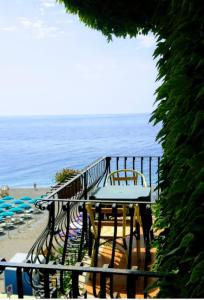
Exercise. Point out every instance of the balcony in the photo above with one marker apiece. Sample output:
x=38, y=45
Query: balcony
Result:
x=68, y=261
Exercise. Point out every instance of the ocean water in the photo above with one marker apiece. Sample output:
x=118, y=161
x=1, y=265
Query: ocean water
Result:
x=33, y=149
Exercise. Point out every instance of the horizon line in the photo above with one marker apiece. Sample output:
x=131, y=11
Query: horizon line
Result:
x=80, y=114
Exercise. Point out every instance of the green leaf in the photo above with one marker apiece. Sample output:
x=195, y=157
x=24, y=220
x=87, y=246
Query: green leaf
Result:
x=197, y=273
x=187, y=239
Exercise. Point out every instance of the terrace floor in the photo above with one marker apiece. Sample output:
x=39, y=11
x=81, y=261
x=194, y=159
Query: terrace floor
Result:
x=119, y=284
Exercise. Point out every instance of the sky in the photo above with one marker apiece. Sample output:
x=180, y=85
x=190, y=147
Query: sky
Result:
x=52, y=64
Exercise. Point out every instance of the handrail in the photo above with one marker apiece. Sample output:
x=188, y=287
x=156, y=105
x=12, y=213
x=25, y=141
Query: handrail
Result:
x=75, y=177
x=136, y=156
x=107, y=201
x=47, y=267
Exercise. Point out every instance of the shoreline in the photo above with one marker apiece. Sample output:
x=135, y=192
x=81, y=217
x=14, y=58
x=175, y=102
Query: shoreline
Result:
x=18, y=192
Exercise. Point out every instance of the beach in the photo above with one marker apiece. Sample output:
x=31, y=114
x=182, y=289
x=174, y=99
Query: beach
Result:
x=23, y=236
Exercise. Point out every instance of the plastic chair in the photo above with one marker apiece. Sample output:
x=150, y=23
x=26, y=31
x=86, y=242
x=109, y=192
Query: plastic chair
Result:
x=112, y=179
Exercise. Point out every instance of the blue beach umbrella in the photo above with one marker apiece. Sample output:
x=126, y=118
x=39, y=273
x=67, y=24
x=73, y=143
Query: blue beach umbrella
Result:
x=25, y=198
x=1, y=210
x=5, y=205
x=17, y=201
x=8, y=198
x=7, y=214
x=25, y=206
x=1, y=201
x=37, y=199
x=16, y=209
x=32, y=201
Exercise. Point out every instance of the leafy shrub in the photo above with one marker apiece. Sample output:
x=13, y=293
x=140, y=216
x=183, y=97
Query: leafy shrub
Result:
x=179, y=29
x=65, y=175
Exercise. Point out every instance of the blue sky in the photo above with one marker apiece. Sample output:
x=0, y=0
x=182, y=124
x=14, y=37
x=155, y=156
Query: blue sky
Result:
x=51, y=63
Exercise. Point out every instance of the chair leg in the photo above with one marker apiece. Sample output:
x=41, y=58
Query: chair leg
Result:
x=95, y=262
x=138, y=239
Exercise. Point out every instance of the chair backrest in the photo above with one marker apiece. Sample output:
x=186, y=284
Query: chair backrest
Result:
x=127, y=175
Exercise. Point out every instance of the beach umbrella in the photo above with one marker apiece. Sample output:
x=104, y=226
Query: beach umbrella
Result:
x=25, y=198
x=5, y=205
x=8, y=198
x=16, y=209
x=32, y=201
x=17, y=201
x=25, y=206
x=1, y=201
x=6, y=214
x=43, y=196
x=1, y=210
x=37, y=199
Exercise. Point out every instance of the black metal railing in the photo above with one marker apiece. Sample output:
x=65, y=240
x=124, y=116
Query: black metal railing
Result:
x=50, y=274
x=66, y=238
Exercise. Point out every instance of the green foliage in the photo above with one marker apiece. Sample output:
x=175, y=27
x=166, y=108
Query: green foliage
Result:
x=65, y=175
x=179, y=28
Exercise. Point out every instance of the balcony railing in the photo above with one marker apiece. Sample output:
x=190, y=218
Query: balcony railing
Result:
x=66, y=238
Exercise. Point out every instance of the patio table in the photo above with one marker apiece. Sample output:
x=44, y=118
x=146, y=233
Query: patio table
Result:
x=135, y=194
x=143, y=196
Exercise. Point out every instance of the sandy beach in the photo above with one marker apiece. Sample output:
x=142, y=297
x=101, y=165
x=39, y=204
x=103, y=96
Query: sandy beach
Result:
x=23, y=236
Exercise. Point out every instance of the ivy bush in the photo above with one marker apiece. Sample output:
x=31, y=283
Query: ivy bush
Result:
x=179, y=29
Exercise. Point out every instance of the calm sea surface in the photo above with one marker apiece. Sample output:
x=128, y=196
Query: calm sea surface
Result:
x=33, y=149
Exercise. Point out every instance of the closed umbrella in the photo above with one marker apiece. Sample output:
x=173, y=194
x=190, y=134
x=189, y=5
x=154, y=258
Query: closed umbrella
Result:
x=25, y=206
x=25, y=198
x=6, y=214
x=8, y=198
x=17, y=201
x=5, y=205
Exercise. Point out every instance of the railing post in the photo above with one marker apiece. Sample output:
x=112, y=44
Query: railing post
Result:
x=150, y=171
x=108, y=168
x=141, y=167
x=67, y=208
x=85, y=185
x=51, y=225
x=75, y=285
x=131, y=209
x=131, y=284
x=19, y=283
x=84, y=220
x=102, y=293
x=46, y=284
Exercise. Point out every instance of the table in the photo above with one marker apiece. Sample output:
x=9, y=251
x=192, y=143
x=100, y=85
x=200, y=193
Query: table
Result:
x=137, y=194
x=132, y=194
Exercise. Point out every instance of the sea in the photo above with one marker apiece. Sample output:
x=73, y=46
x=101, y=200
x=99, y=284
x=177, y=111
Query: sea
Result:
x=34, y=148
